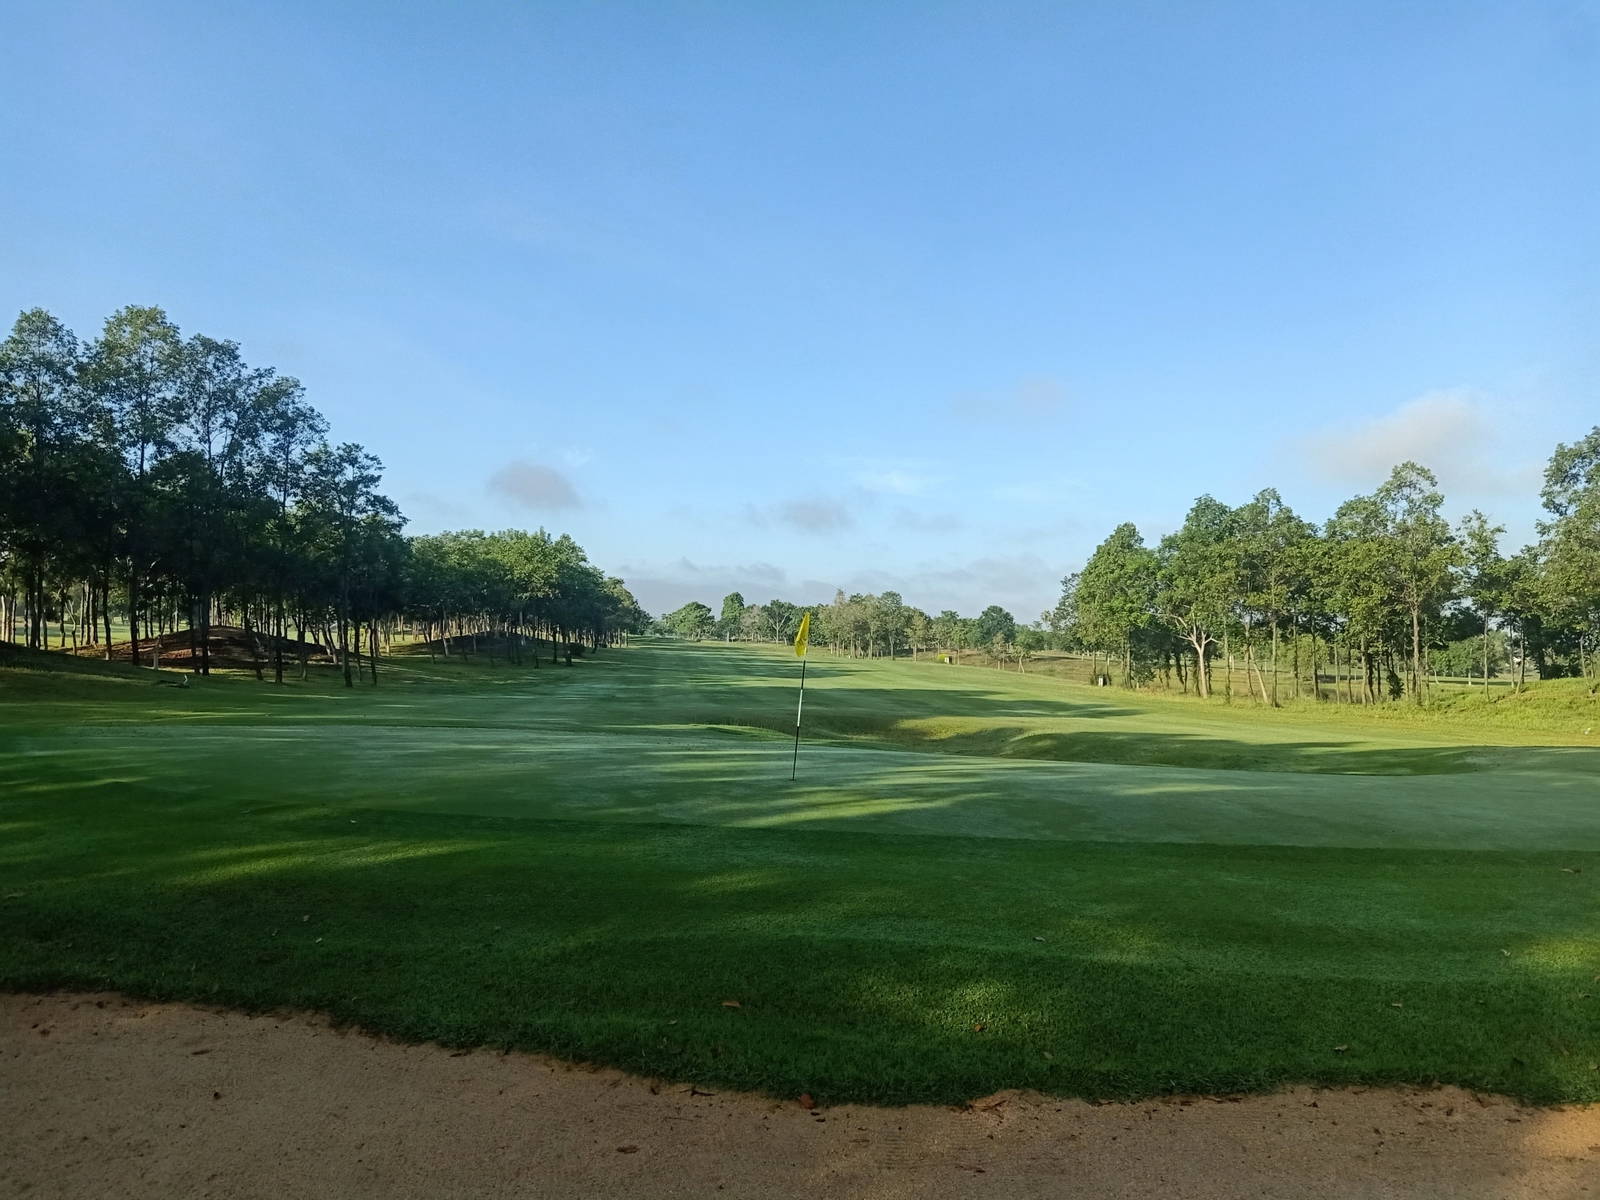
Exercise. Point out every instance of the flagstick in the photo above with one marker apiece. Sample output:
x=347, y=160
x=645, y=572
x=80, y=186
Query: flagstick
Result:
x=798, y=708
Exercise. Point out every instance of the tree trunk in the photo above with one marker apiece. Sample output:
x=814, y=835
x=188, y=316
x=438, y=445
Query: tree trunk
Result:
x=1294, y=659
x=133, y=619
x=1416, y=652
x=344, y=627
x=1274, y=662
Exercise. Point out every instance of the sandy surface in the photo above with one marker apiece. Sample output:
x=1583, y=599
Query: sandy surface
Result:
x=103, y=1097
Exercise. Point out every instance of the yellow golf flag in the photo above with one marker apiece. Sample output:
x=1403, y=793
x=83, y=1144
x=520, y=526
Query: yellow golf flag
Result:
x=802, y=636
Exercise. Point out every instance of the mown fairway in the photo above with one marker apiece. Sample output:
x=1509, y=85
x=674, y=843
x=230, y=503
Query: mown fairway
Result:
x=980, y=880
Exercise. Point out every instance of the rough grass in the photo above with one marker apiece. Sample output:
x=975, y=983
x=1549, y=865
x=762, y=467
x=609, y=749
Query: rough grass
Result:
x=591, y=860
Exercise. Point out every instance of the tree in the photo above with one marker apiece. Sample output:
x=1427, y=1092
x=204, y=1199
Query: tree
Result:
x=1485, y=579
x=1112, y=600
x=1198, y=580
x=949, y=630
x=344, y=503
x=919, y=631
x=1270, y=535
x=43, y=418
x=733, y=607
x=207, y=486
x=134, y=366
x=994, y=622
x=693, y=620
x=889, y=615
x=1569, y=550
x=1421, y=551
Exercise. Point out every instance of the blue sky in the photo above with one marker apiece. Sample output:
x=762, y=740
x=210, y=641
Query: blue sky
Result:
x=787, y=296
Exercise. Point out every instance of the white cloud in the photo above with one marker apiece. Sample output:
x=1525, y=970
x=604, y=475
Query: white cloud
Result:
x=1452, y=432
x=894, y=481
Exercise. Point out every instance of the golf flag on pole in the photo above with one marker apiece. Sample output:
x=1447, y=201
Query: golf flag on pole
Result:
x=802, y=639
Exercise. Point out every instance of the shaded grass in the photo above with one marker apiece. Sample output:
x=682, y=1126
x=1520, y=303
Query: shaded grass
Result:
x=565, y=861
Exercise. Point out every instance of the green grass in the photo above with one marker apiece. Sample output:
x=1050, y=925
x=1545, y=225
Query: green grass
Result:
x=980, y=879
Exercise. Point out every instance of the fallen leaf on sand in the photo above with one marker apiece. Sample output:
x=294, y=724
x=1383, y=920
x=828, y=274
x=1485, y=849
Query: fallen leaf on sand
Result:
x=990, y=1103
x=731, y=1004
x=807, y=1102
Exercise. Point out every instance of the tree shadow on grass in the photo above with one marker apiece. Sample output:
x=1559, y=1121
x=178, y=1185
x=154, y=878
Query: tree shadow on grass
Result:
x=991, y=737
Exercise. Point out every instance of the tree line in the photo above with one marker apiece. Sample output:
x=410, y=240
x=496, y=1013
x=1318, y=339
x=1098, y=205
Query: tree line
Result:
x=1363, y=607
x=162, y=482
x=1366, y=600
x=863, y=625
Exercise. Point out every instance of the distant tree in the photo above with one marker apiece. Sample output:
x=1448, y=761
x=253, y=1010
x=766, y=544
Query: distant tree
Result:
x=1422, y=552
x=889, y=616
x=949, y=630
x=733, y=607
x=782, y=619
x=753, y=623
x=1112, y=600
x=1198, y=581
x=919, y=631
x=44, y=417
x=994, y=622
x=134, y=367
x=694, y=621
x=1569, y=550
x=347, y=508
x=1269, y=538
x=1486, y=579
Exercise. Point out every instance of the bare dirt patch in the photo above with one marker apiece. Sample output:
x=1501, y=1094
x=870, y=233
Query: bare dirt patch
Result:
x=104, y=1096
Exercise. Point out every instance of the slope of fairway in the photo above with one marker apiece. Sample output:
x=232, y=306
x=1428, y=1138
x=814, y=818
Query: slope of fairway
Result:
x=979, y=880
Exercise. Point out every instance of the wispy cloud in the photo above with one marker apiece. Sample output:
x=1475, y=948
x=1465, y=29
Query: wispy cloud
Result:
x=1025, y=584
x=662, y=587
x=933, y=522
x=816, y=514
x=1058, y=490
x=534, y=486
x=577, y=457
x=894, y=481
x=1451, y=431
